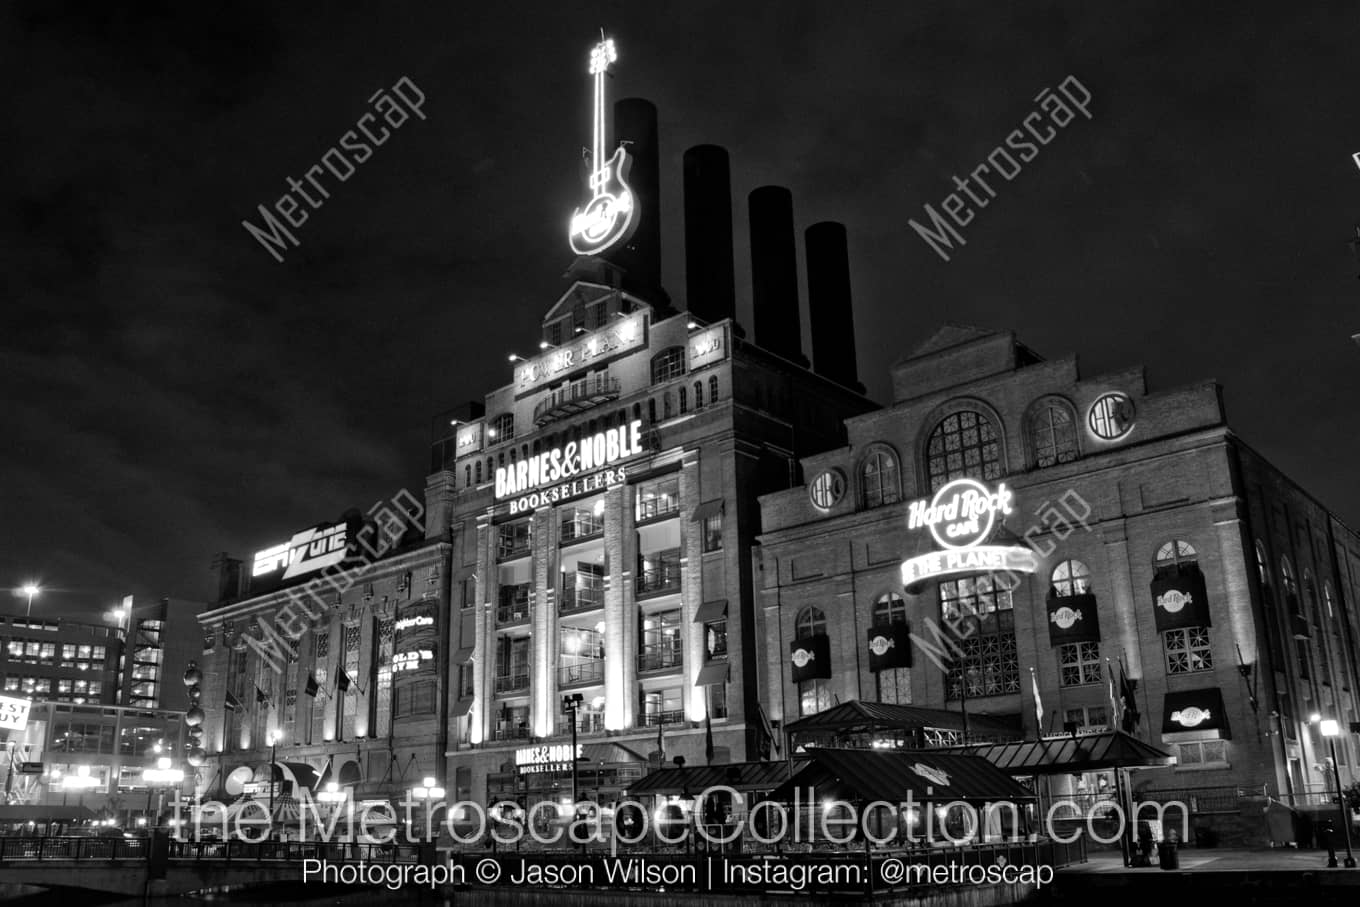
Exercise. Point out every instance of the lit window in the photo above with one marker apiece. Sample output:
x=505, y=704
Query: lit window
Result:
x=878, y=479
x=1079, y=663
x=1187, y=650
x=810, y=622
x=827, y=489
x=668, y=364
x=1111, y=417
x=963, y=445
x=1175, y=553
x=1053, y=432
x=713, y=389
x=1071, y=578
x=894, y=686
x=890, y=608
x=988, y=659
x=713, y=533
x=1207, y=752
x=502, y=428
x=813, y=696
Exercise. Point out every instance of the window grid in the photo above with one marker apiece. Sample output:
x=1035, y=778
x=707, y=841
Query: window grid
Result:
x=878, y=479
x=1187, y=651
x=1071, y=578
x=668, y=364
x=1079, y=663
x=1054, y=434
x=963, y=445
x=988, y=659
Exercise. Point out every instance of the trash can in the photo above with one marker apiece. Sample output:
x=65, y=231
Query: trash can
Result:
x=1166, y=855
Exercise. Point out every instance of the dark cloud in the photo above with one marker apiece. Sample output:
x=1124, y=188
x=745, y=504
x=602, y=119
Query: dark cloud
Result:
x=172, y=391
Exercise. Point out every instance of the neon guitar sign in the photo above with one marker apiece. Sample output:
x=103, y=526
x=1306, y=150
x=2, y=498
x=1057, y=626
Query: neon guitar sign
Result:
x=609, y=217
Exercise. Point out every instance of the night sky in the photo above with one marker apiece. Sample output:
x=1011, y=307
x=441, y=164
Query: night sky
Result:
x=171, y=391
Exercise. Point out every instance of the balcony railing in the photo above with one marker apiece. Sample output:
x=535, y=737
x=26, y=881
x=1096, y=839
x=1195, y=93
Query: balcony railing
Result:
x=577, y=397
x=670, y=716
x=588, y=672
x=510, y=733
x=574, y=530
x=659, y=658
x=584, y=597
x=662, y=578
x=510, y=683
x=508, y=548
x=657, y=507
x=515, y=602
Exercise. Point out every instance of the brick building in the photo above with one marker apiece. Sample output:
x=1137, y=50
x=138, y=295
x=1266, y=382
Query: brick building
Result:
x=1135, y=535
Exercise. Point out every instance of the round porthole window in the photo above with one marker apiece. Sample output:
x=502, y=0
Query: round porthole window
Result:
x=1111, y=417
x=827, y=489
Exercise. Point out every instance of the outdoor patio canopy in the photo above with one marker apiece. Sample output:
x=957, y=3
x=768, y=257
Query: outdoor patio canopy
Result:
x=896, y=776
x=1056, y=756
x=858, y=717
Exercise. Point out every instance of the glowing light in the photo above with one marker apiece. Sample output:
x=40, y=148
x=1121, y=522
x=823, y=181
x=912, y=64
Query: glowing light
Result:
x=30, y=589
x=968, y=560
x=597, y=703
x=607, y=218
x=598, y=509
x=1330, y=728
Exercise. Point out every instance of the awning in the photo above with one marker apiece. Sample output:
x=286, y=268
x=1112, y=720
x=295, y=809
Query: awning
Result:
x=742, y=776
x=34, y=812
x=889, y=646
x=712, y=673
x=857, y=716
x=706, y=510
x=1072, y=618
x=463, y=655
x=711, y=611
x=1067, y=755
x=609, y=754
x=462, y=707
x=1179, y=599
x=300, y=773
x=866, y=775
x=1190, y=715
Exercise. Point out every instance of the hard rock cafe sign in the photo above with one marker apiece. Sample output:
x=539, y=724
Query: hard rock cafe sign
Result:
x=803, y=657
x=931, y=774
x=610, y=216
x=881, y=645
x=1065, y=617
x=1191, y=717
x=960, y=517
x=1174, y=600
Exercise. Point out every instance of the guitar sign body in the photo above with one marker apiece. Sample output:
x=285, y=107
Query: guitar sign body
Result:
x=609, y=217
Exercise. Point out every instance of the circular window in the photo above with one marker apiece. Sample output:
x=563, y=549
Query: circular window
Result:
x=1111, y=417
x=827, y=489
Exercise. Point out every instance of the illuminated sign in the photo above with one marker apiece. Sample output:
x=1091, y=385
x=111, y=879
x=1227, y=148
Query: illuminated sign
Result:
x=931, y=774
x=802, y=657
x=1191, y=717
x=14, y=713
x=611, y=214
x=962, y=513
x=624, y=334
x=469, y=439
x=607, y=447
x=1174, y=600
x=411, y=661
x=310, y=550
x=880, y=645
x=1065, y=617
x=989, y=558
x=546, y=758
x=407, y=623
x=707, y=347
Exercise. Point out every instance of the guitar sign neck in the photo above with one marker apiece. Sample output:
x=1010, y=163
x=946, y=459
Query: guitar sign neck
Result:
x=608, y=218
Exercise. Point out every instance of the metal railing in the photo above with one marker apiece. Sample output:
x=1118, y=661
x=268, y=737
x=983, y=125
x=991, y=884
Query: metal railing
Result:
x=576, y=397
x=670, y=716
x=662, y=578
x=588, y=595
x=509, y=683
x=659, y=658
x=510, y=733
x=586, y=672
x=654, y=508
x=1201, y=799
x=515, y=602
x=583, y=526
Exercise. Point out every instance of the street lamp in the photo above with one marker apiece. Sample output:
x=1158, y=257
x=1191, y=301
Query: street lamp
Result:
x=570, y=704
x=30, y=589
x=1331, y=730
x=162, y=777
x=427, y=792
x=274, y=737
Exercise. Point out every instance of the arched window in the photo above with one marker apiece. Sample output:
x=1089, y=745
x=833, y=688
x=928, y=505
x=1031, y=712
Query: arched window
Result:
x=1262, y=566
x=1328, y=599
x=890, y=608
x=666, y=405
x=1053, y=432
x=713, y=389
x=467, y=478
x=684, y=401
x=637, y=410
x=651, y=410
x=810, y=622
x=1071, y=578
x=878, y=479
x=1291, y=585
x=698, y=395
x=1175, y=553
x=479, y=472
x=963, y=445
x=668, y=364
x=502, y=428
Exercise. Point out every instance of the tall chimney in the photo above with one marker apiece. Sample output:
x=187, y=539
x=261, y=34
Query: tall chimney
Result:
x=829, y=306
x=640, y=258
x=710, y=279
x=774, y=273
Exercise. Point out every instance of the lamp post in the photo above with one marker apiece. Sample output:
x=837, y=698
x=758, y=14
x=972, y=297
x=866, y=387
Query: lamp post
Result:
x=30, y=589
x=162, y=776
x=274, y=737
x=427, y=792
x=570, y=704
x=1331, y=730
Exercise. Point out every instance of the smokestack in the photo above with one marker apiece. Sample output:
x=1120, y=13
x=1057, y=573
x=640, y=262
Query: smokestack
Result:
x=710, y=279
x=774, y=273
x=829, y=306
x=635, y=125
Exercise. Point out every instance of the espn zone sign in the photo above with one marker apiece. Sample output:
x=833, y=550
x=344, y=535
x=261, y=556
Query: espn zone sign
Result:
x=309, y=551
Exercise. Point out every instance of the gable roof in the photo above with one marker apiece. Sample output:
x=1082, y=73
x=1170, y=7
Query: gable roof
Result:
x=1067, y=754
x=949, y=335
x=856, y=714
x=900, y=775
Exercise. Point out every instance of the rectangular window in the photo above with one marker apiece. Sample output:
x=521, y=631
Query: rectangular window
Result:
x=469, y=591
x=1203, y=754
x=1187, y=650
x=717, y=700
x=661, y=641
x=813, y=696
x=1079, y=663
x=513, y=539
x=715, y=639
x=658, y=498
x=713, y=533
x=382, y=701
x=662, y=707
x=894, y=686
x=581, y=521
x=351, y=656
